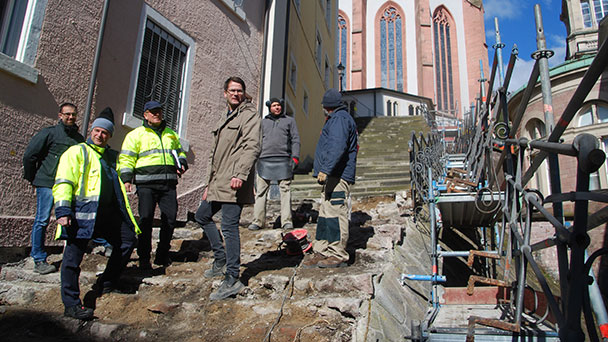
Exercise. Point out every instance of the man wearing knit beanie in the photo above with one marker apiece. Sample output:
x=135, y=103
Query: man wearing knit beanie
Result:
x=334, y=168
x=280, y=155
x=105, y=120
x=90, y=202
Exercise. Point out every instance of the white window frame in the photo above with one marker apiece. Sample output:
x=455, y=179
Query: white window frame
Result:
x=236, y=6
x=129, y=119
x=22, y=64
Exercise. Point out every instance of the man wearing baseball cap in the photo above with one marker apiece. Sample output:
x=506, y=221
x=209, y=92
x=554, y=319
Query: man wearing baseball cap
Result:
x=152, y=158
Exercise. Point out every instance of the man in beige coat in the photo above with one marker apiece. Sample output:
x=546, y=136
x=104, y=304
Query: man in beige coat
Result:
x=230, y=177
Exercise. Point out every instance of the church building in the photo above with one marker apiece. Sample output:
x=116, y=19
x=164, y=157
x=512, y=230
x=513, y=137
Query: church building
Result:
x=428, y=48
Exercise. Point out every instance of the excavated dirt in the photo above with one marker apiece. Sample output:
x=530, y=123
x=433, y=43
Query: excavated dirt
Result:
x=281, y=302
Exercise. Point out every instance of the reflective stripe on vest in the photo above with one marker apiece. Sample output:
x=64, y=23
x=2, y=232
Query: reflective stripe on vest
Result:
x=84, y=170
x=63, y=204
x=129, y=153
x=63, y=180
x=156, y=151
x=146, y=178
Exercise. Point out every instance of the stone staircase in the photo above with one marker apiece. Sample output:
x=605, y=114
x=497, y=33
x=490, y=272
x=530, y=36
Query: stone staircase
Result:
x=382, y=162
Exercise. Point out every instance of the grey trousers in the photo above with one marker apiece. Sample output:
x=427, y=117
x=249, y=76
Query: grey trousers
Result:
x=259, y=208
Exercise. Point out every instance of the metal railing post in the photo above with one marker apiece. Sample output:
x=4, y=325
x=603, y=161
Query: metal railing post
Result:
x=542, y=55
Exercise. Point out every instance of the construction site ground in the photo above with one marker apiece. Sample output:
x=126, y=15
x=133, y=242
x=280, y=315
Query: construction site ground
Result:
x=281, y=302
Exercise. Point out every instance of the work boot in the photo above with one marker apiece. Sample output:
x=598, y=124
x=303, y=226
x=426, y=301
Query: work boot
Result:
x=230, y=286
x=288, y=225
x=254, y=226
x=144, y=264
x=42, y=267
x=311, y=260
x=107, y=252
x=162, y=260
x=331, y=262
x=217, y=269
x=79, y=312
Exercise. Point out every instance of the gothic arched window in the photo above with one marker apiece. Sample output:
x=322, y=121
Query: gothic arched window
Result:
x=391, y=49
x=443, y=60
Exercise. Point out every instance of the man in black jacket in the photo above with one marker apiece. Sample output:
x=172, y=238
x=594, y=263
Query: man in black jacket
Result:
x=40, y=162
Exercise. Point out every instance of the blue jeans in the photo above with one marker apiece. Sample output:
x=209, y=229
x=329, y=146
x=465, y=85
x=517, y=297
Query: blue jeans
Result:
x=101, y=241
x=44, y=204
x=231, y=214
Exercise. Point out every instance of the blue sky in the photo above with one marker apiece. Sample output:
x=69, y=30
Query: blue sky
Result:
x=517, y=26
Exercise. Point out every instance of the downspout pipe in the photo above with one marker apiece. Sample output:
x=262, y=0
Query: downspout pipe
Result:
x=263, y=78
x=286, y=49
x=87, y=110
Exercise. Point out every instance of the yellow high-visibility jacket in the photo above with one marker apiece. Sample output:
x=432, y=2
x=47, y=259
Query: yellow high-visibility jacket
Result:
x=77, y=189
x=149, y=158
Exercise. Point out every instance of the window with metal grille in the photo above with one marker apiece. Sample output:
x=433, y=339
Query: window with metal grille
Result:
x=160, y=76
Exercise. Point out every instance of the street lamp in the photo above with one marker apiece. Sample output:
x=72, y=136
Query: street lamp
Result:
x=341, y=68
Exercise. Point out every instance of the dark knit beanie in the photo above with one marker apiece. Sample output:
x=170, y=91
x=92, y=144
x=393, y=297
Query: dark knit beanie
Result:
x=332, y=99
x=105, y=120
x=273, y=100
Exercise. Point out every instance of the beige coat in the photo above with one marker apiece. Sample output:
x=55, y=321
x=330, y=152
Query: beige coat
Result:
x=236, y=147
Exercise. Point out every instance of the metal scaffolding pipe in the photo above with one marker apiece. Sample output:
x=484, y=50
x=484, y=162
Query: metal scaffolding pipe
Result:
x=597, y=303
x=591, y=76
x=499, y=46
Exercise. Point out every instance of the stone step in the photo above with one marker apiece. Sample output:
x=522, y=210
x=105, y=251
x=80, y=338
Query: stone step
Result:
x=363, y=169
x=383, y=175
x=360, y=181
x=383, y=158
x=368, y=189
x=375, y=159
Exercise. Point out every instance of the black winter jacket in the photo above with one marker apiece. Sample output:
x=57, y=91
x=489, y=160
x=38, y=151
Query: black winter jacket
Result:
x=42, y=154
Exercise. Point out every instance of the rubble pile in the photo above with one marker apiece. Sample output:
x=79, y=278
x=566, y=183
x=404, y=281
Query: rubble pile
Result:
x=281, y=301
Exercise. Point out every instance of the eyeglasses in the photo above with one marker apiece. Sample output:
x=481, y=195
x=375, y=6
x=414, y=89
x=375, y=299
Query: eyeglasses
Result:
x=234, y=91
x=70, y=114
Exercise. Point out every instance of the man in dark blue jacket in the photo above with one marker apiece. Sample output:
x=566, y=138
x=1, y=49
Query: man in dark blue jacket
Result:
x=334, y=166
x=40, y=162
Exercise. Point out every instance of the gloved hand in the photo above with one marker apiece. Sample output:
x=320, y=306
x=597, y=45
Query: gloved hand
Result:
x=295, y=163
x=321, y=178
